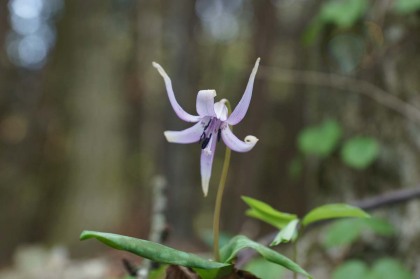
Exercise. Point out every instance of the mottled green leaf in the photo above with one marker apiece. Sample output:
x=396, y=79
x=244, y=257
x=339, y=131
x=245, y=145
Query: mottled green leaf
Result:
x=287, y=234
x=264, y=212
x=360, y=152
x=332, y=211
x=320, y=140
x=229, y=252
x=153, y=251
x=264, y=269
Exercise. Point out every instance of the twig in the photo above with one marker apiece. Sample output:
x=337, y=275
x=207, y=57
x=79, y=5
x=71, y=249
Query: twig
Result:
x=343, y=83
x=158, y=228
x=131, y=269
x=389, y=198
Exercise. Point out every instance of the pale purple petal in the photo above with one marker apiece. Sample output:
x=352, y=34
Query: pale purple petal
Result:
x=189, y=135
x=205, y=102
x=206, y=162
x=177, y=108
x=236, y=144
x=240, y=110
x=221, y=110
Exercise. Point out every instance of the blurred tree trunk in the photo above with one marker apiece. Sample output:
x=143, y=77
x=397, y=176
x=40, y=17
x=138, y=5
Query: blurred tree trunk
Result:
x=184, y=190
x=20, y=149
x=11, y=173
x=90, y=61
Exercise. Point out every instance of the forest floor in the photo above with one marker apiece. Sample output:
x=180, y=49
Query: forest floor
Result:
x=39, y=262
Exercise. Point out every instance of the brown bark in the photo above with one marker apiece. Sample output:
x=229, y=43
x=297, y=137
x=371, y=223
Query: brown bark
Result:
x=88, y=69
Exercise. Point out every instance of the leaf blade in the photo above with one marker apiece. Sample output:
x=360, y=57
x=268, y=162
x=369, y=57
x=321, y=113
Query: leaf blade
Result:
x=264, y=212
x=153, y=251
x=289, y=233
x=229, y=252
x=333, y=211
x=360, y=152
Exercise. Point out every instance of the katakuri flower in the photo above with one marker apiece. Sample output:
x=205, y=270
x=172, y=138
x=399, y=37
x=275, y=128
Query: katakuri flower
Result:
x=212, y=123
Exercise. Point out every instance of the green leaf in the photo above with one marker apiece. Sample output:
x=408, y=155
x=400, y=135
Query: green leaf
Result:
x=153, y=251
x=331, y=211
x=343, y=13
x=351, y=269
x=229, y=252
x=343, y=232
x=320, y=140
x=379, y=226
x=263, y=269
x=388, y=268
x=360, y=152
x=264, y=212
x=289, y=233
x=407, y=6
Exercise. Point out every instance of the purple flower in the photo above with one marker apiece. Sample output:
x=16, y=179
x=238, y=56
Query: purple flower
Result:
x=212, y=123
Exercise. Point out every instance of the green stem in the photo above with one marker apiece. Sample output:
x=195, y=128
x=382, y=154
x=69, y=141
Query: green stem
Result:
x=218, y=206
x=219, y=198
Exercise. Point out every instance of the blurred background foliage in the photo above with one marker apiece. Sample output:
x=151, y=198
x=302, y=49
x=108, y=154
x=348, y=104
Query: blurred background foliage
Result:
x=82, y=112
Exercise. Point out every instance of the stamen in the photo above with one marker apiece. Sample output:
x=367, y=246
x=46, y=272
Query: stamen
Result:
x=208, y=124
x=206, y=142
x=202, y=137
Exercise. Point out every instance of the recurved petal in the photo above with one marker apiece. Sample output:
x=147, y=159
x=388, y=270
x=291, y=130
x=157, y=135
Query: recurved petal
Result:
x=189, y=135
x=206, y=162
x=177, y=108
x=205, y=103
x=242, y=107
x=236, y=144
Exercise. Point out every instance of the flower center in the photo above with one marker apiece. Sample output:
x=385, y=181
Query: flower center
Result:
x=213, y=126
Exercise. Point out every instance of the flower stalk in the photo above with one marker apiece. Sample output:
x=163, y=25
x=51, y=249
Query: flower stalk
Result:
x=219, y=198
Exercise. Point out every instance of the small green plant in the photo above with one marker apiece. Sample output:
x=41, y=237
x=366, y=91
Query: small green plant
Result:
x=290, y=225
x=212, y=124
